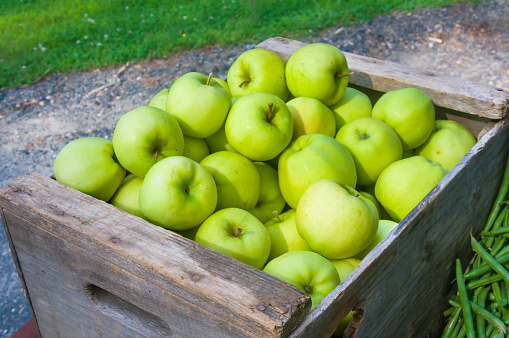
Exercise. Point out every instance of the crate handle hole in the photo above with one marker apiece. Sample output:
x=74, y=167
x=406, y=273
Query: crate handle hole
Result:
x=127, y=313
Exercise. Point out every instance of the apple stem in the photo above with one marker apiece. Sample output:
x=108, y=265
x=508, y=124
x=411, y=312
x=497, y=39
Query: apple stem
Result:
x=238, y=232
x=155, y=155
x=270, y=111
x=308, y=289
x=349, y=74
x=210, y=78
x=356, y=195
x=243, y=83
x=277, y=216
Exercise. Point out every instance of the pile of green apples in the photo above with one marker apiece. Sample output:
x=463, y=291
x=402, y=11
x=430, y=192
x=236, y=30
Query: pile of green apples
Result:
x=283, y=166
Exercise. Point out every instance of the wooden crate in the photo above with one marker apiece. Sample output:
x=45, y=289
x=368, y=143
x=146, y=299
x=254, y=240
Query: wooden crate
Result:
x=89, y=269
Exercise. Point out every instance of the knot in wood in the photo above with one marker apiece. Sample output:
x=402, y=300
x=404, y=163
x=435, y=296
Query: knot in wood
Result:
x=261, y=308
x=15, y=190
x=114, y=240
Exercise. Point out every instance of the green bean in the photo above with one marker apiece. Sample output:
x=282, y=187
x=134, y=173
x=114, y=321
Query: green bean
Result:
x=480, y=321
x=449, y=312
x=465, y=303
x=502, y=192
x=499, y=244
x=485, y=268
x=496, y=232
x=490, y=317
x=452, y=323
x=489, y=330
x=497, y=267
x=483, y=281
x=462, y=332
x=492, y=297
x=456, y=329
x=488, y=241
x=503, y=251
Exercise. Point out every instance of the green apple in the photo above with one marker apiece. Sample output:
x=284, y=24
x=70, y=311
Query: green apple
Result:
x=344, y=267
x=127, y=196
x=159, y=101
x=373, y=200
x=258, y=71
x=259, y=126
x=309, y=159
x=178, y=194
x=270, y=198
x=373, y=145
x=307, y=271
x=311, y=116
x=236, y=177
x=89, y=165
x=145, y=136
x=319, y=71
x=335, y=220
x=199, y=104
x=384, y=228
x=223, y=84
x=284, y=236
x=195, y=148
x=404, y=183
x=218, y=142
x=447, y=144
x=409, y=112
x=189, y=233
x=238, y=234
x=352, y=105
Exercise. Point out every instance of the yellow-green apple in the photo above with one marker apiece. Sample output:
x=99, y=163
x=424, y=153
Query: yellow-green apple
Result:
x=447, y=144
x=259, y=126
x=409, y=112
x=307, y=271
x=373, y=145
x=373, y=200
x=178, y=194
x=127, y=195
x=335, y=220
x=223, y=84
x=238, y=234
x=344, y=267
x=195, y=148
x=319, y=71
x=384, y=228
x=89, y=165
x=310, y=158
x=404, y=183
x=270, y=198
x=145, y=136
x=311, y=116
x=199, y=104
x=352, y=105
x=218, y=142
x=258, y=71
x=237, y=180
x=284, y=236
x=159, y=101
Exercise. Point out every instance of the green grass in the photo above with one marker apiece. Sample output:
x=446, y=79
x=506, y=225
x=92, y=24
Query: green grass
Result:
x=72, y=35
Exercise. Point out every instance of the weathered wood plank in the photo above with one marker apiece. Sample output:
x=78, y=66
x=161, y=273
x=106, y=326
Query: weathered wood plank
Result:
x=383, y=76
x=92, y=269
x=404, y=284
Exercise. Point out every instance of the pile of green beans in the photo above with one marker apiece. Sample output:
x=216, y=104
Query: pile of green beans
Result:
x=481, y=308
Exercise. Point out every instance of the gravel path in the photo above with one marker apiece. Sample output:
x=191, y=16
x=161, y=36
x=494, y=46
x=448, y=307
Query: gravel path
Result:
x=468, y=42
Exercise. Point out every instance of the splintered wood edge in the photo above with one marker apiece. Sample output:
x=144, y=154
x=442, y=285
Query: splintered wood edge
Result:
x=138, y=247
x=453, y=93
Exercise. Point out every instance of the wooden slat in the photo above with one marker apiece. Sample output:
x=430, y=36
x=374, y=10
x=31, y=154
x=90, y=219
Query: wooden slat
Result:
x=93, y=270
x=403, y=285
x=383, y=76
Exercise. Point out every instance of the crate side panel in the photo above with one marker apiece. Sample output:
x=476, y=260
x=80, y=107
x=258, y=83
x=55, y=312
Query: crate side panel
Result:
x=200, y=285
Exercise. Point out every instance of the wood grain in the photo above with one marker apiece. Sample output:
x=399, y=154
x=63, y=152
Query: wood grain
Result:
x=403, y=285
x=461, y=95
x=93, y=270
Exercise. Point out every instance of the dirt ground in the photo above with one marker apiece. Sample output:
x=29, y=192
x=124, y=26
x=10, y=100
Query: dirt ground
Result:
x=465, y=41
